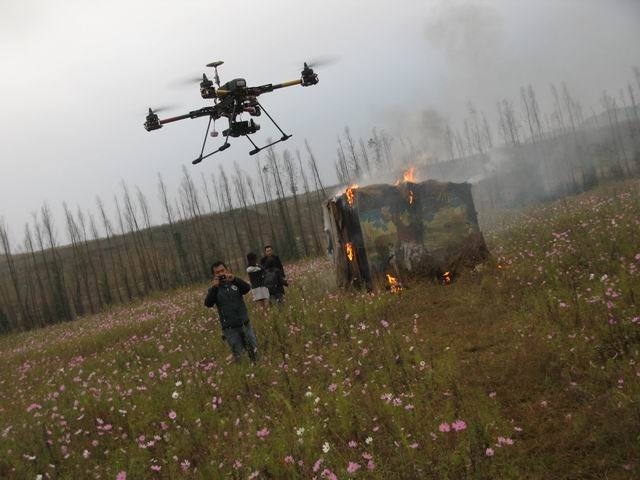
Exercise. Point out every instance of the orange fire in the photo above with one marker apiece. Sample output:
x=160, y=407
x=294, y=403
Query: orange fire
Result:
x=394, y=285
x=446, y=276
x=350, y=254
x=351, y=195
x=409, y=175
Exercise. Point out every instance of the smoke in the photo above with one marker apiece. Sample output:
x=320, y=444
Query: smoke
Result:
x=486, y=51
x=470, y=33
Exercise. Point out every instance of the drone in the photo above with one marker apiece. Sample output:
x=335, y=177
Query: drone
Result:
x=230, y=101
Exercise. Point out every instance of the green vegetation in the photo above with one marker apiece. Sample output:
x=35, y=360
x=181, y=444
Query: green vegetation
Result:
x=524, y=368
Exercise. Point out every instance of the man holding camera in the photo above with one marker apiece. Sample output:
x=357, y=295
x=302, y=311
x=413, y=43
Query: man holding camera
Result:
x=226, y=294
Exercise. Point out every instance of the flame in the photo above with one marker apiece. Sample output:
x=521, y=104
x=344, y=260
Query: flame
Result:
x=409, y=175
x=351, y=195
x=446, y=276
x=394, y=285
x=350, y=254
x=411, y=196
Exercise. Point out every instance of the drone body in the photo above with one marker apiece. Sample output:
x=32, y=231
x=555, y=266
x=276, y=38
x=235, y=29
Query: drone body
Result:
x=230, y=101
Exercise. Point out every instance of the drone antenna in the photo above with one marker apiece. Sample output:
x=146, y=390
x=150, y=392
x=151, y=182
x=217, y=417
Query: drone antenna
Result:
x=215, y=66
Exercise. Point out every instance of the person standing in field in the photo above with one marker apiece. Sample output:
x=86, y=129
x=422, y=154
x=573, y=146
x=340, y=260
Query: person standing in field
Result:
x=259, y=292
x=274, y=281
x=226, y=293
x=268, y=254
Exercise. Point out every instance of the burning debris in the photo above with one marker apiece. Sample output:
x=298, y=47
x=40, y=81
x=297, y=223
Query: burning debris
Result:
x=349, y=249
x=394, y=285
x=351, y=194
x=404, y=230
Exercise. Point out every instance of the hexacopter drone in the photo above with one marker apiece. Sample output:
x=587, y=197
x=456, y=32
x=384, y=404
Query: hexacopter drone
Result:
x=231, y=100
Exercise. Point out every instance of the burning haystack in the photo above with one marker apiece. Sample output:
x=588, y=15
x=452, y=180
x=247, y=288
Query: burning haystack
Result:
x=383, y=234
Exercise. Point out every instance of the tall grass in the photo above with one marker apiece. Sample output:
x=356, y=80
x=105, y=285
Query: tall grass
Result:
x=524, y=368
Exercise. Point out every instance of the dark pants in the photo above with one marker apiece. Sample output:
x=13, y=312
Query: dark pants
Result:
x=277, y=298
x=240, y=338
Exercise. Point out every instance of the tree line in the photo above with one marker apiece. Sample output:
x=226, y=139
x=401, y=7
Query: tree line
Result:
x=105, y=258
x=102, y=259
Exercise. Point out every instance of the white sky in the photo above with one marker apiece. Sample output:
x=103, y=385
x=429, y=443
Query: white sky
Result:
x=78, y=75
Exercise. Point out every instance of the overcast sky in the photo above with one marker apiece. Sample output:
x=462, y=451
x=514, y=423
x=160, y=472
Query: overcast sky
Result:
x=78, y=76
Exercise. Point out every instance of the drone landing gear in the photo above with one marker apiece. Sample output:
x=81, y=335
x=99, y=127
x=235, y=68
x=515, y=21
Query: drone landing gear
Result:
x=222, y=148
x=284, y=137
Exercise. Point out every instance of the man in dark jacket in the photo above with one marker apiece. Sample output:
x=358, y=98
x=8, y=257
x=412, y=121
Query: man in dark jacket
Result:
x=268, y=254
x=226, y=294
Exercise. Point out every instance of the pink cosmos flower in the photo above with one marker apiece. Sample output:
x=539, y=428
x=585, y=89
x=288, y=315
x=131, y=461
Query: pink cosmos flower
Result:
x=263, y=433
x=172, y=415
x=353, y=467
x=33, y=406
x=444, y=427
x=289, y=459
x=384, y=323
x=489, y=452
x=156, y=468
x=353, y=444
x=328, y=474
x=371, y=465
x=459, y=425
x=316, y=466
x=121, y=475
x=333, y=387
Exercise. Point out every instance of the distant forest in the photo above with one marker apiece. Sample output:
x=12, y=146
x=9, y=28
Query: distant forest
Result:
x=524, y=155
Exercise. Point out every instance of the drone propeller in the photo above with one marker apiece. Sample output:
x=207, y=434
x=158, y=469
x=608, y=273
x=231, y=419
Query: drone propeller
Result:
x=161, y=109
x=188, y=81
x=322, y=61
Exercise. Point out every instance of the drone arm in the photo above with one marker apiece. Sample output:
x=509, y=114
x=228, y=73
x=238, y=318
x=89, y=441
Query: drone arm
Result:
x=255, y=91
x=202, y=112
x=290, y=83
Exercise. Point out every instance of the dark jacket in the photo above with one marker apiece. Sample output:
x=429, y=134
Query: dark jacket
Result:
x=277, y=261
x=228, y=299
x=274, y=280
x=256, y=276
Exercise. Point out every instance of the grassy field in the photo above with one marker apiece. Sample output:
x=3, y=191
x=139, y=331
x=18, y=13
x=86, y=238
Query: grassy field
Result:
x=525, y=368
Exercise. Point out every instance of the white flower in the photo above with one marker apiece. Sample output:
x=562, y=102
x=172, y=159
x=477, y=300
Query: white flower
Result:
x=368, y=440
x=86, y=454
x=175, y=395
x=308, y=394
x=299, y=431
x=39, y=476
x=326, y=447
x=317, y=399
x=178, y=383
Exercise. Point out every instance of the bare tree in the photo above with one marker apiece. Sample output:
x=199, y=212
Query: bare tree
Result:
x=285, y=218
x=314, y=169
x=365, y=156
x=258, y=221
x=241, y=194
x=131, y=266
x=262, y=173
x=226, y=196
x=24, y=321
x=42, y=296
x=312, y=212
x=226, y=237
x=60, y=296
x=355, y=163
x=103, y=285
x=292, y=181
x=114, y=254
x=137, y=237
